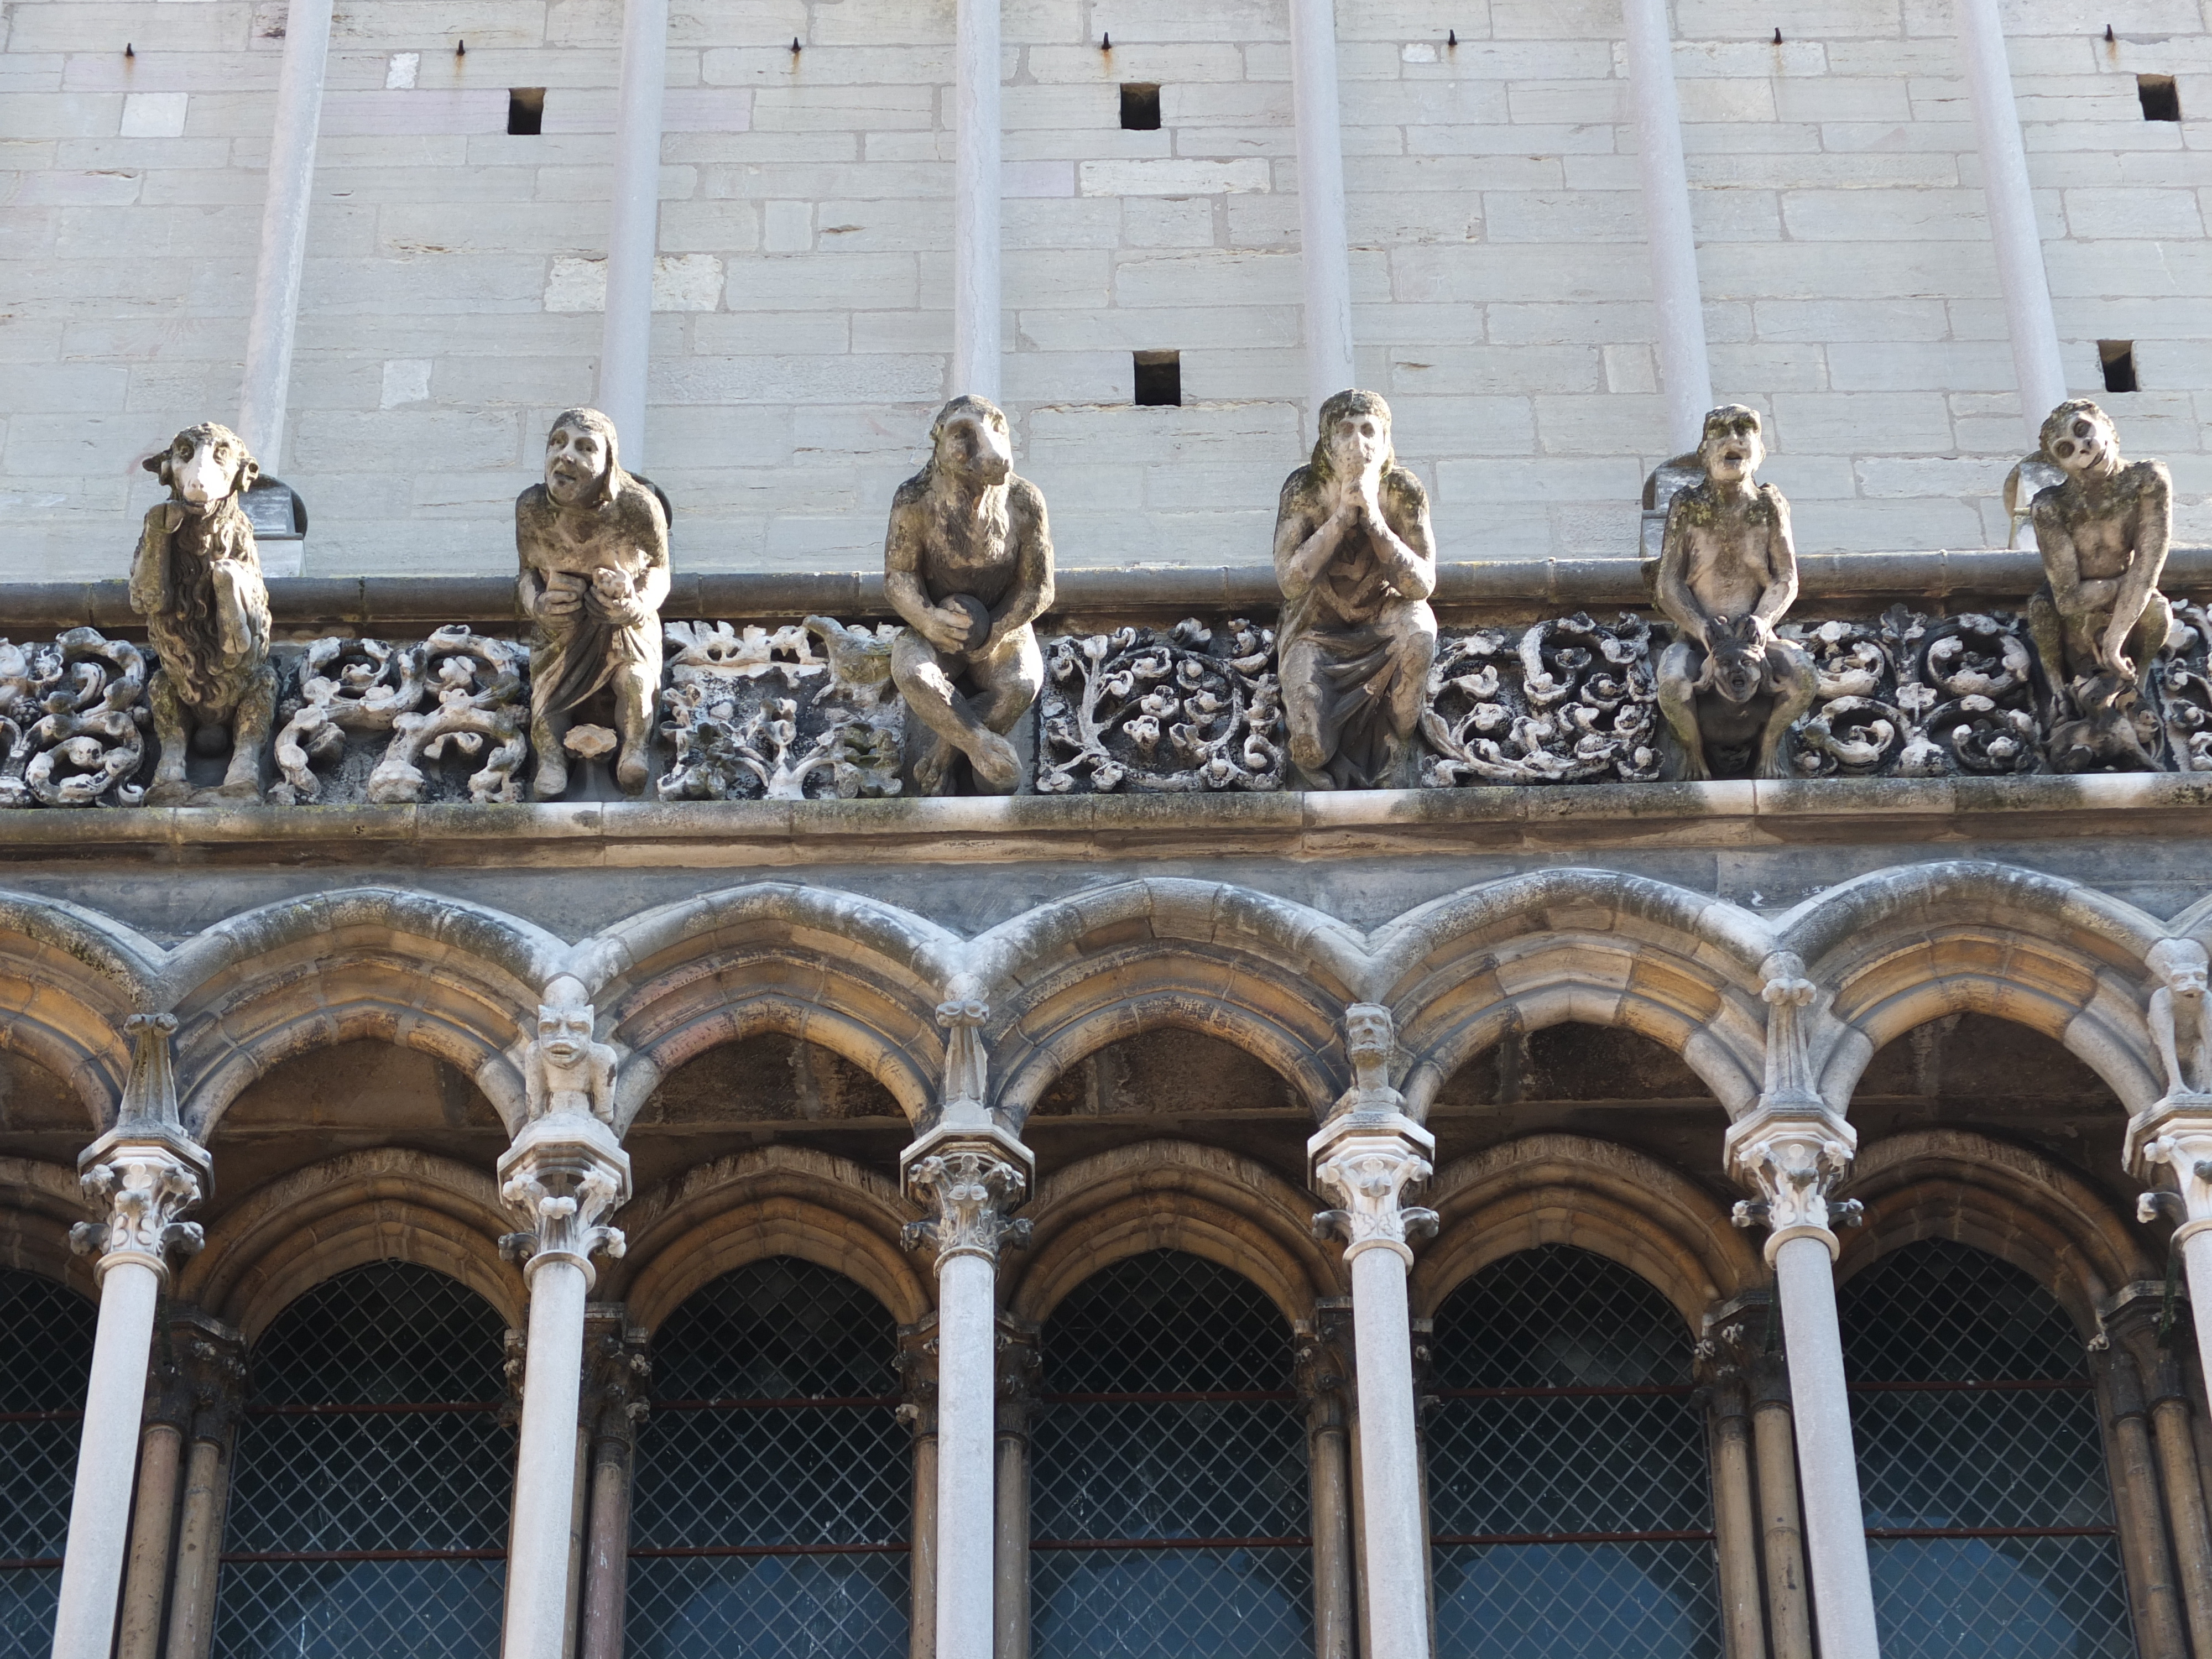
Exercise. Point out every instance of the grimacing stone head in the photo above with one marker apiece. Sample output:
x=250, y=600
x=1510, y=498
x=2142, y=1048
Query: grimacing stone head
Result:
x=1733, y=445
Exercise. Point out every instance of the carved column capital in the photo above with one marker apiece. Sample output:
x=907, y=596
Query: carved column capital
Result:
x=1366, y=1166
x=564, y=1175
x=971, y=1183
x=613, y=1400
x=2173, y=1140
x=142, y=1187
x=1792, y=1154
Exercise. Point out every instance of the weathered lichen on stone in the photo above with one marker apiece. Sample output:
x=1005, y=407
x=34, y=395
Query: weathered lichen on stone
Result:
x=339, y=689
x=197, y=580
x=1162, y=713
x=1912, y=696
x=73, y=718
x=1568, y=700
x=2100, y=622
x=474, y=700
x=1355, y=557
x=1730, y=687
x=733, y=735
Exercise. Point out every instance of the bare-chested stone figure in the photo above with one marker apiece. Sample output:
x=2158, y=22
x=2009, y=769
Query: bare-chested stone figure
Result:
x=967, y=565
x=2180, y=1015
x=592, y=542
x=2103, y=533
x=1728, y=574
x=1356, y=560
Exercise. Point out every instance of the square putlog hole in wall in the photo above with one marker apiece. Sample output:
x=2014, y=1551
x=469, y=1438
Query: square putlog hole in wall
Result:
x=525, y=110
x=2161, y=99
x=2119, y=358
x=1159, y=379
x=1141, y=107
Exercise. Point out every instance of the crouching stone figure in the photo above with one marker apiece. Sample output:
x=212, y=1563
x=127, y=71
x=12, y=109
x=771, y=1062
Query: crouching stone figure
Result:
x=967, y=565
x=1356, y=560
x=197, y=580
x=1728, y=574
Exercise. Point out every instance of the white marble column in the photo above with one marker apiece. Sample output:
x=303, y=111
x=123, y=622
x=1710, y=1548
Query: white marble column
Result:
x=634, y=227
x=975, y=186
x=2175, y=1138
x=1365, y=1158
x=2011, y=205
x=1324, y=250
x=287, y=198
x=144, y=1174
x=562, y=1176
x=1792, y=1151
x=1685, y=377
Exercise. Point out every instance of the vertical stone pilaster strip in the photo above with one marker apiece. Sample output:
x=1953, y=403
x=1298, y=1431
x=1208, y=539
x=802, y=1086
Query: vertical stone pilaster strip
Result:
x=614, y=1404
x=153, y=1522
x=212, y=1357
x=633, y=226
x=1685, y=366
x=1722, y=1355
x=2145, y=1551
x=976, y=302
x=1781, y=1527
x=2175, y=1443
x=917, y=1364
x=1324, y=243
x=1324, y=1379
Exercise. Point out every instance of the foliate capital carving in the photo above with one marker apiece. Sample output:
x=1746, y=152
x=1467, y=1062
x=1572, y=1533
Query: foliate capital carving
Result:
x=564, y=1175
x=1793, y=1154
x=142, y=1187
x=2175, y=1138
x=971, y=1185
x=1367, y=1169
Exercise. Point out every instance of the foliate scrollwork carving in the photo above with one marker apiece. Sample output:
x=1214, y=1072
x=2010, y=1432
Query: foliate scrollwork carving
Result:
x=144, y=1189
x=1163, y=712
x=475, y=699
x=339, y=688
x=1908, y=695
x=563, y=1213
x=1571, y=700
x=73, y=717
x=1793, y=1160
x=971, y=1189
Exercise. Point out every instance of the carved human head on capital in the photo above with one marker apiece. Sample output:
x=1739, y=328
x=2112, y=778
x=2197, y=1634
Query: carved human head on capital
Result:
x=565, y=1020
x=1733, y=444
x=2078, y=437
x=970, y=439
x=1369, y=1032
x=2180, y=965
x=204, y=465
x=1354, y=435
x=583, y=466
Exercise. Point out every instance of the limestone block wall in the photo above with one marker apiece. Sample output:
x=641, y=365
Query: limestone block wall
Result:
x=454, y=274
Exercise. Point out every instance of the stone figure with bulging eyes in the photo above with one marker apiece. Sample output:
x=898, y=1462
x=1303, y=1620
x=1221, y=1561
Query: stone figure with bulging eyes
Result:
x=2099, y=621
x=197, y=580
x=1729, y=686
x=592, y=544
x=2180, y=1015
x=967, y=566
x=566, y=1071
x=1356, y=560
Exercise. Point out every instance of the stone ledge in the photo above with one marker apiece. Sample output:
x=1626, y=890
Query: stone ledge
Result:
x=1032, y=828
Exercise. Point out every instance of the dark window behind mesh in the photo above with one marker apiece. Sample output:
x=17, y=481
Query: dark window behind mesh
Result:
x=1989, y=1517
x=1170, y=1504
x=1569, y=1501
x=45, y=1364
x=774, y=1482
x=368, y=1509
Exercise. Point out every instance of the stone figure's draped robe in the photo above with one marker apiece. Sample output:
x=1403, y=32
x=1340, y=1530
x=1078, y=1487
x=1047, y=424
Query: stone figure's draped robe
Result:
x=1358, y=626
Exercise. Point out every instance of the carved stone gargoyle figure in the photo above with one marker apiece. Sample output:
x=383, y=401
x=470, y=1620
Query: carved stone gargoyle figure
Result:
x=566, y=1072
x=592, y=544
x=967, y=565
x=1728, y=573
x=2099, y=621
x=197, y=580
x=1356, y=560
x=2180, y=1016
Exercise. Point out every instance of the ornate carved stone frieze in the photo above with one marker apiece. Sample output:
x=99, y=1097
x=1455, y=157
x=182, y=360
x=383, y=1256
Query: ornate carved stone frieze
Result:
x=1909, y=695
x=1145, y=711
x=1568, y=700
x=73, y=716
x=144, y=1173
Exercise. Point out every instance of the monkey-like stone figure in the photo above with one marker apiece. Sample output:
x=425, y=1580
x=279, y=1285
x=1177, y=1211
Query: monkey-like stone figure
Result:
x=1356, y=559
x=967, y=565
x=2099, y=621
x=197, y=580
x=1728, y=574
x=592, y=544
x=2181, y=1015
x=566, y=1073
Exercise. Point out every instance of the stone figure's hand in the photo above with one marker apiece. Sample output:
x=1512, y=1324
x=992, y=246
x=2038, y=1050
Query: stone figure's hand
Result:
x=2112, y=652
x=558, y=603
x=947, y=629
x=623, y=610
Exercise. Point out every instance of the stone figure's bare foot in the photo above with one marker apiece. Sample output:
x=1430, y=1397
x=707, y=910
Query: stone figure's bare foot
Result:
x=630, y=770
x=239, y=789
x=931, y=766
x=551, y=780
x=168, y=792
x=998, y=768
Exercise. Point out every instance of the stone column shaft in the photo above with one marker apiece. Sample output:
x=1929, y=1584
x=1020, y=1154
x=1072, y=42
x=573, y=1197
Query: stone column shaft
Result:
x=1685, y=368
x=1324, y=1379
x=200, y=1551
x=146, y=1584
x=1781, y=1536
x=2184, y=1502
x=633, y=226
x=976, y=300
x=1735, y=1530
x=2145, y=1549
x=1324, y=251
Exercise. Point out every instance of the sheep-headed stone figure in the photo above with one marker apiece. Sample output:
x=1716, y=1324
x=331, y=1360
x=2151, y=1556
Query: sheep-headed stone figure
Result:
x=197, y=580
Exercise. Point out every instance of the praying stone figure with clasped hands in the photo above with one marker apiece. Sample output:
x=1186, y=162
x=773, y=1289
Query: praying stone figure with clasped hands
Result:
x=592, y=542
x=1728, y=573
x=2099, y=621
x=1356, y=560
x=967, y=565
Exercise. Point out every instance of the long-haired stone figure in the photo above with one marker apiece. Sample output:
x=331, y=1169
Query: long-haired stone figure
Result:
x=1356, y=560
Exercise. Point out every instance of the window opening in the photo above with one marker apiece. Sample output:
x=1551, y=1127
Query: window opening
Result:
x=1981, y=1462
x=774, y=1490
x=2117, y=359
x=46, y=1366
x=1170, y=1509
x=1141, y=107
x=1158, y=378
x=2161, y=98
x=1570, y=1509
x=368, y=1511
x=525, y=112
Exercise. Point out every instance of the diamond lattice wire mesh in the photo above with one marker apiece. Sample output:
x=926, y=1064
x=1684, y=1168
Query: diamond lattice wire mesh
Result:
x=372, y=1432
x=1568, y=1485
x=1211, y=1446
x=1922, y=1328
x=44, y=1368
x=774, y=1483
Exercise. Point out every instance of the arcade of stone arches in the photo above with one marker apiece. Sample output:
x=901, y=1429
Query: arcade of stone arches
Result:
x=1555, y=1395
